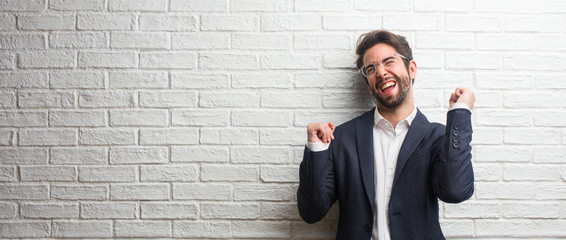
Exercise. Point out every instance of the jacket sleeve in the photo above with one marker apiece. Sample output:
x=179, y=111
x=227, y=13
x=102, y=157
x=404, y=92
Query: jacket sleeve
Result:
x=452, y=172
x=316, y=192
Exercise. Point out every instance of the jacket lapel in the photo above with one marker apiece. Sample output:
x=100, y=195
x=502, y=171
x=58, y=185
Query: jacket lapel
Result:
x=364, y=139
x=415, y=135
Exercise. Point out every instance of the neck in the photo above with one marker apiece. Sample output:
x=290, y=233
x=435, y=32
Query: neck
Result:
x=395, y=115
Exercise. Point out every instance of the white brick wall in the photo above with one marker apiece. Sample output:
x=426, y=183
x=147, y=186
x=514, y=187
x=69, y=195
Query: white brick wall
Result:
x=186, y=118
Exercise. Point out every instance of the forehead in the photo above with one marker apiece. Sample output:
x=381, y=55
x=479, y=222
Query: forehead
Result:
x=378, y=52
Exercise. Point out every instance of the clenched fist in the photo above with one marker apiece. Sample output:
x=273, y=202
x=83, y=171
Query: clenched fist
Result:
x=463, y=95
x=320, y=132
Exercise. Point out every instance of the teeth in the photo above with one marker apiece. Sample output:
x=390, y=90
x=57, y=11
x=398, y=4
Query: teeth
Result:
x=389, y=84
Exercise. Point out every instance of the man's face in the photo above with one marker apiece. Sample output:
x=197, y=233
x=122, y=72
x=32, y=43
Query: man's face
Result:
x=389, y=86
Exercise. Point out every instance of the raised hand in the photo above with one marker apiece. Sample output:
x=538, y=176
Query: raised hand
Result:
x=320, y=132
x=463, y=95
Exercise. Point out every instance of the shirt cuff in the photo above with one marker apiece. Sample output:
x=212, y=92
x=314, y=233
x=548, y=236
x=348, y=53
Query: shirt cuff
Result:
x=317, y=146
x=460, y=105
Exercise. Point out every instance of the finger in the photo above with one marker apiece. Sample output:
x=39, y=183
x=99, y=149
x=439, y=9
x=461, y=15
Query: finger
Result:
x=331, y=125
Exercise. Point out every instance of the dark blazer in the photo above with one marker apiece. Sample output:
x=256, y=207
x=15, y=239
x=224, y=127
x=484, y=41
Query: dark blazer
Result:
x=434, y=163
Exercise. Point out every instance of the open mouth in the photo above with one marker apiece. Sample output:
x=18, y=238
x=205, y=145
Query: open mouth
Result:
x=387, y=87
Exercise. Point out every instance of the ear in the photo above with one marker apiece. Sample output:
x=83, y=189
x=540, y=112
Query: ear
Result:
x=412, y=69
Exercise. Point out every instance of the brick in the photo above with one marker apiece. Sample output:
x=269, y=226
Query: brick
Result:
x=346, y=100
x=7, y=99
x=82, y=229
x=549, y=118
x=107, y=136
x=168, y=23
x=77, y=118
x=109, y=210
x=339, y=22
x=228, y=23
x=261, y=80
x=414, y=22
x=233, y=99
x=532, y=136
x=549, y=6
x=290, y=99
x=142, y=229
x=525, y=62
x=445, y=40
x=514, y=118
x=7, y=174
x=401, y=5
x=279, y=211
x=285, y=61
x=7, y=61
x=304, y=117
x=229, y=136
x=320, y=5
x=46, y=99
x=6, y=137
x=137, y=79
x=158, y=117
x=502, y=154
x=256, y=155
x=530, y=210
x=322, y=41
x=261, y=118
x=107, y=60
x=304, y=230
x=504, y=81
x=169, y=210
x=139, y=40
x=7, y=22
x=487, y=99
x=265, y=192
x=77, y=40
x=212, y=229
x=20, y=41
x=291, y=136
x=549, y=154
x=108, y=174
x=106, y=21
x=80, y=80
x=550, y=191
x=80, y=5
x=79, y=192
x=138, y=155
x=199, y=154
x=170, y=60
x=137, y=5
x=547, y=23
x=487, y=172
x=261, y=6
x=47, y=137
x=549, y=42
x=200, y=40
x=488, y=135
x=26, y=5
x=506, y=6
x=340, y=60
x=23, y=80
x=424, y=98
x=279, y=174
x=48, y=173
x=222, y=61
x=47, y=59
x=459, y=228
x=517, y=100
x=520, y=228
x=230, y=210
x=230, y=173
x=7, y=210
x=290, y=22
x=261, y=41
x=79, y=156
x=443, y=6
x=202, y=191
x=261, y=229
x=169, y=173
x=23, y=156
x=427, y=59
x=49, y=210
x=191, y=80
x=505, y=191
x=154, y=191
x=199, y=117
x=169, y=136
x=198, y=6
x=47, y=22
x=26, y=228
x=507, y=41
x=488, y=61
x=24, y=191
x=471, y=209
x=168, y=98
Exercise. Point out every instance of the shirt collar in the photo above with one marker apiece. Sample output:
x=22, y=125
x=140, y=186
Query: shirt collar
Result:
x=409, y=119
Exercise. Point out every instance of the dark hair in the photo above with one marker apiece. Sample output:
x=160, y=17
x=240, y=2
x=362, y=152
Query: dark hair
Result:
x=370, y=39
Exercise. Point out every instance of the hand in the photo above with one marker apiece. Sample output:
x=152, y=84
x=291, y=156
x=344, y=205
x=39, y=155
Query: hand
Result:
x=463, y=95
x=320, y=132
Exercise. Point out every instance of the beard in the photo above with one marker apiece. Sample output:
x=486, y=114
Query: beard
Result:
x=392, y=102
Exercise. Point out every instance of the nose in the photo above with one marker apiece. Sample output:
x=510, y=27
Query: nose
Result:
x=381, y=72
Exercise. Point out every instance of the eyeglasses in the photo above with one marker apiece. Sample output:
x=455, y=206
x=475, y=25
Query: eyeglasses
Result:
x=387, y=63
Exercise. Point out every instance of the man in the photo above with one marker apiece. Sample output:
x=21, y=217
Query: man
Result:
x=389, y=166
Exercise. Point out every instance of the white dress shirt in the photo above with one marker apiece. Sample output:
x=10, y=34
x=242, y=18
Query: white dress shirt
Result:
x=387, y=143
